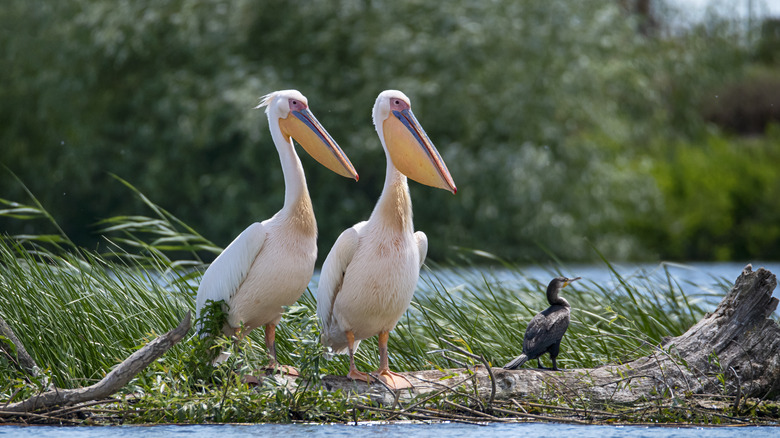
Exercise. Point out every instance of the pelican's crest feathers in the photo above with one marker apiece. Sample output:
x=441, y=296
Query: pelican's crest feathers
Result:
x=266, y=100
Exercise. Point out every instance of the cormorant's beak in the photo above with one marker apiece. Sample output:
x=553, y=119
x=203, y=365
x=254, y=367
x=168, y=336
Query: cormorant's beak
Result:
x=570, y=281
x=307, y=131
x=413, y=153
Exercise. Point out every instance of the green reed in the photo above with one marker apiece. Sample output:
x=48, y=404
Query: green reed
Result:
x=80, y=312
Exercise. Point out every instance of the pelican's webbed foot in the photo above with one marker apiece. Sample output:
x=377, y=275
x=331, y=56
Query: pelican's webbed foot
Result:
x=393, y=380
x=276, y=368
x=359, y=375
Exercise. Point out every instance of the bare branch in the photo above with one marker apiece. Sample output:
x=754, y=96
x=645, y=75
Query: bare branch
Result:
x=113, y=382
x=21, y=358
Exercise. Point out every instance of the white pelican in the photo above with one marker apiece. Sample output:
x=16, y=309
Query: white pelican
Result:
x=370, y=274
x=270, y=263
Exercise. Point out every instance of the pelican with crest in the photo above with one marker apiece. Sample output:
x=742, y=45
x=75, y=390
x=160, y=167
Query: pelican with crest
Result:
x=369, y=277
x=270, y=264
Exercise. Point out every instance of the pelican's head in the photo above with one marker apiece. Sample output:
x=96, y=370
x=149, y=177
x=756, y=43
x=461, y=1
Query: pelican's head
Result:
x=406, y=142
x=291, y=109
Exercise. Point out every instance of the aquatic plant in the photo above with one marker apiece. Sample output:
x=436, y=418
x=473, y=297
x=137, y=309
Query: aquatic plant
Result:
x=81, y=311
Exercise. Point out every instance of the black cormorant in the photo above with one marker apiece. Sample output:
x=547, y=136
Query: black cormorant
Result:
x=546, y=329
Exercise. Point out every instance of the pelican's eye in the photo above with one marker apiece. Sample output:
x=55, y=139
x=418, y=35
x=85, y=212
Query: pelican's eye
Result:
x=296, y=105
x=397, y=104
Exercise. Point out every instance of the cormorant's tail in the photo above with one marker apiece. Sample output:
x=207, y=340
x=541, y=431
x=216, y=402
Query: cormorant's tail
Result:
x=516, y=362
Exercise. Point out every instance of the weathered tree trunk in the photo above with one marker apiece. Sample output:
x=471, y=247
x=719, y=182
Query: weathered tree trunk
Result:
x=115, y=380
x=735, y=349
x=18, y=353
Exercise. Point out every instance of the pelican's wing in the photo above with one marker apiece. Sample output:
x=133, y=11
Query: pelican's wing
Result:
x=422, y=245
x=332, y=274
x=226, y=273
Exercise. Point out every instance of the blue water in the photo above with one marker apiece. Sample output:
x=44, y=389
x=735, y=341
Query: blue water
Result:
x=702, y=279
x=450, y=430
x=708, y=281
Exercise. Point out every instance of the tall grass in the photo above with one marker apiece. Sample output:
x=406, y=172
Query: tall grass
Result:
x=80, y=312
x=489, y=314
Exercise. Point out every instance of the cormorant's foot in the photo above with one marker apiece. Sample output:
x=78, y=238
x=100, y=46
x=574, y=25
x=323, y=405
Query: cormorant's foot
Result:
x=359, y=375
x=393, y=380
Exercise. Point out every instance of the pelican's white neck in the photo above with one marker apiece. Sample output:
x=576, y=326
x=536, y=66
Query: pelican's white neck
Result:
x=394, y=207
x=296, y=196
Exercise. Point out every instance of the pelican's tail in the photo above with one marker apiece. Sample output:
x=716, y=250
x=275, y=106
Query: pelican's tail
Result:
x=335, y=346
x=516, y=362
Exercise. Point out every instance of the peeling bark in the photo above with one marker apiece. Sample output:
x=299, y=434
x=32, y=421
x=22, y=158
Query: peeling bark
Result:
x=114, y=380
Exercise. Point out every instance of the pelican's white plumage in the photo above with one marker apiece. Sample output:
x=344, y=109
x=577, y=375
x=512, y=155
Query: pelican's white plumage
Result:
x=269, y=264
x=370, y=274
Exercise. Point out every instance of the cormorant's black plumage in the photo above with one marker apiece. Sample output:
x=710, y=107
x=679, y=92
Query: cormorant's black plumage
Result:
x=546, y=329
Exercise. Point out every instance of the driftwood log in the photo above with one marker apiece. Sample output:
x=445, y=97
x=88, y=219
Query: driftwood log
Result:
x=733, y=351
x=114, y=380
x=15, y=351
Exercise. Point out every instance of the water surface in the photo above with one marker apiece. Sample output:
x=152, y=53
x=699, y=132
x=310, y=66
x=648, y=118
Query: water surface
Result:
x=708, y=281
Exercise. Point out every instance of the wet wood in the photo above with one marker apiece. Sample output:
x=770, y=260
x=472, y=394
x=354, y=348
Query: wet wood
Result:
x=114, y=380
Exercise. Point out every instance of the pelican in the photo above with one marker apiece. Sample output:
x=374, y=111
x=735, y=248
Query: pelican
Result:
x=270, y=263
x=369, y=277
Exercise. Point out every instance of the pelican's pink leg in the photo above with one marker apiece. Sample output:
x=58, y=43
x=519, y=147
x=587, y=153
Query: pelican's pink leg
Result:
x=393, y=380
x=354, y=374
x=270, y=344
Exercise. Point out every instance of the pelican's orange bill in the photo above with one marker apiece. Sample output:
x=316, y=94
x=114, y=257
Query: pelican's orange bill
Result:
x=413, y=153
x=309, y=133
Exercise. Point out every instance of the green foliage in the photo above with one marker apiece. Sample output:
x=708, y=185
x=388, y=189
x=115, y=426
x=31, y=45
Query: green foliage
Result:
x=58, y=298
x=208, y=342
x=213, y=318
x=544, y=112
x=489, y=314
x=747, y=105
x=79, y=313
x=719, y=198
x=768, y=46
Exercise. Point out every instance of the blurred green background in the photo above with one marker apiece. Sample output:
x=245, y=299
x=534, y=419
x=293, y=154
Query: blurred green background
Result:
x=567, y=126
